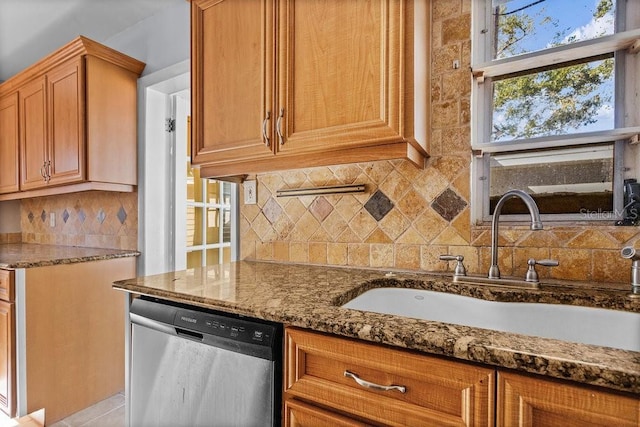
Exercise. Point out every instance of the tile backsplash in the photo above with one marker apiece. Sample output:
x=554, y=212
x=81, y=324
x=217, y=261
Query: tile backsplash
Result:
x=408, y=216
x=96, y=219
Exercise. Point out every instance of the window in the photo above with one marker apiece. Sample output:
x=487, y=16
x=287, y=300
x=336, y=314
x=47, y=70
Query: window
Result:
x=554, y=106
x=209, y=223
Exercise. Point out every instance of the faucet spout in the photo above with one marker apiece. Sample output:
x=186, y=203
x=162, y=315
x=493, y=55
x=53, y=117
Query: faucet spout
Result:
x=536, y=224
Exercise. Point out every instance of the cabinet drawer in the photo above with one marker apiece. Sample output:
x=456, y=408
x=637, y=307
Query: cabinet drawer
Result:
x=299, y=414
x=437, y=391
x=6, y=285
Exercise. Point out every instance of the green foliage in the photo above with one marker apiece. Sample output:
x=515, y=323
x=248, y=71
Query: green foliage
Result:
x=553, y=100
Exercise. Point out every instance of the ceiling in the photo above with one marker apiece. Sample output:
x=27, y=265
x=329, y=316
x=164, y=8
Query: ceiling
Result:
x=31, y=29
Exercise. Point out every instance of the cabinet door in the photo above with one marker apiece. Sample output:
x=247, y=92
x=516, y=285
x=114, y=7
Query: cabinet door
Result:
x=9, y=161
x=33, y=134
x=339, y=74
x=527, y=401
x=232, y=79
x=7, y=360
x=66, y=136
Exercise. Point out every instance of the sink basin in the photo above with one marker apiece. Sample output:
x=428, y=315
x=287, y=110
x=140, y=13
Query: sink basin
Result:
x=587, y=325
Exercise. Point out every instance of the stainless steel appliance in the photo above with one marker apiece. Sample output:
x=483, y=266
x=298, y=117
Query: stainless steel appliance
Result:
x=193, y=367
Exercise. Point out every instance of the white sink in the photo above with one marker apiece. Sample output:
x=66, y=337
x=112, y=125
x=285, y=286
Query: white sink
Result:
x=587, y=325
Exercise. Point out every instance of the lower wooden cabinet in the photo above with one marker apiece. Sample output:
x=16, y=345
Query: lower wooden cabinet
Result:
x=528, y=401
x=336, y=381
x=7, y=344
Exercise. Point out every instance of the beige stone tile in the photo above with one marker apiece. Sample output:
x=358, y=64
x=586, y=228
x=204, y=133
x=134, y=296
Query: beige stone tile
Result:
x=337, y=253
x=411, y=236
x=348, y=236
x=382, y=255
x=522, y=255
x=363, y=224
x=395, y=186
x=609, y=266
x=348, y=206
x=412, y=204
x=264, y=251
x=394, y=224
x=442, y=58
x=358, y=254
x=378, y=236
x=318, y=253
x=299, y=252
x=263, y=228
x=575, y=264
x=429, y=258
x=346, y=174
x=320, y=235
x=407, y=256
x=471, y=258
x=281, y=251
x=272, y=181
x=538, y=239
x=294, y=209
x=449, y=236
x=304, y=228
x=445, y=114
x=436, y=33
x=294, y=178
x=430, y=224
x=377, y=171
x=505, y=260
x=444, y=9
x=462, y=224
x=334, y=225
x=430, y=184
x=593, y=239
x=623, y=236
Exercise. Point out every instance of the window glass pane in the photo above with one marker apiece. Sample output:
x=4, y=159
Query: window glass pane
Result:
x=226, y=225
x=530, y=25
x=213, y=191
x=226, y=193
x=561, y=181
x=213, y=225
x=213, y=256
x=194, y=226
x=194, y=184
x=577, y=98
x=194, y=259
x=226, y=254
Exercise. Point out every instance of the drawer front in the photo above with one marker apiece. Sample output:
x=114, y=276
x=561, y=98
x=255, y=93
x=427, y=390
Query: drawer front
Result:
x=7, y=286
x=436, y=391
x=299, y=414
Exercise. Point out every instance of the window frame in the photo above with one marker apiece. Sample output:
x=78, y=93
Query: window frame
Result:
x=624, y=44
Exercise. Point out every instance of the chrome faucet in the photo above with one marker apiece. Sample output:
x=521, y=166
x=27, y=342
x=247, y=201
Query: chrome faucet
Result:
x=629, y=252
x=536, y=224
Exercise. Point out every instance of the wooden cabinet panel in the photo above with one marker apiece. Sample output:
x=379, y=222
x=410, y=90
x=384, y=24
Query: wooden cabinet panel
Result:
x=66, y=130
x=9, y=142
x=33, y=134
x=7, y=359
x=308, y=83
x=340, y=84
x=529, y=401
x=299, y=414
x=77, y=115
x=438, y=392
x=7, y=285
x=232, y=76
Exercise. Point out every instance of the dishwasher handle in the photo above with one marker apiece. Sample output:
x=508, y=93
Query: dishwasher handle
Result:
x=185, y=333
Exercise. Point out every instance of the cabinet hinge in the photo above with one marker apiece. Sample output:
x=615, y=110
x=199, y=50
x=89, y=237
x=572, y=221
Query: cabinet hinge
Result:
x=170, y=125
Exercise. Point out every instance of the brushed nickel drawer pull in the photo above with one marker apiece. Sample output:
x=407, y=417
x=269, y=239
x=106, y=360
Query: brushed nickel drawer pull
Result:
x=279, y=126
x=374, y=386
x=265, y=137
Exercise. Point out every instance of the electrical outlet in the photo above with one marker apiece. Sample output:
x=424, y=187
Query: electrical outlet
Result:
x=52, y=219
x=250, y=192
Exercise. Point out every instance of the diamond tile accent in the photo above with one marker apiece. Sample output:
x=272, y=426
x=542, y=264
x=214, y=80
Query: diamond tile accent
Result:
x=272, y=210
x=321, y=208
x=448, y=204
x=82, y=216
x=65, y=216
x=43, y=216
x=378, y=205
x=101, y=216
x=31, y=217
x=122, y=215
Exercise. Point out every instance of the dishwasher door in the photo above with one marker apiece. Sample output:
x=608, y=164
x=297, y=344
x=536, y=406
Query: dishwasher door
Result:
x=183, y=377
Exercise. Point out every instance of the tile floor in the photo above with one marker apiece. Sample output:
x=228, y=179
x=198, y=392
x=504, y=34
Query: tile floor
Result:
x=107, y=413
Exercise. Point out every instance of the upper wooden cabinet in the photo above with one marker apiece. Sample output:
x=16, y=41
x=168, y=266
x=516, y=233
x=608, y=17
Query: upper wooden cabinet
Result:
x=307, y=83
x=9, y=177
x=77, y=121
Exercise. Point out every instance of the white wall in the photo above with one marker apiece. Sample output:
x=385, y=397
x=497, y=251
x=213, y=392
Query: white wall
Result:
x=159, y=41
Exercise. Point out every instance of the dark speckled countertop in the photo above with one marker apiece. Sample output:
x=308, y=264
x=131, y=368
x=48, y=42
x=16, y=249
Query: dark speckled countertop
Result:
x=310, y=297
x=29, y=255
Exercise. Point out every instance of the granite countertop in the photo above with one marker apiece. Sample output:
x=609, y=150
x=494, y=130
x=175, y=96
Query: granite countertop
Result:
x=310, y=297
x=29, y=255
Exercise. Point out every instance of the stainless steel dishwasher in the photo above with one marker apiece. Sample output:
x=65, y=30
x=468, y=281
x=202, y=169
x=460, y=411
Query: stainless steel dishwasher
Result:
x=193, y=367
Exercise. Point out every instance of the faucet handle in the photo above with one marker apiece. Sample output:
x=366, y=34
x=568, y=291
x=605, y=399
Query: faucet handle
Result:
x=532, y=274
x=459, y=270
